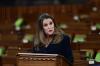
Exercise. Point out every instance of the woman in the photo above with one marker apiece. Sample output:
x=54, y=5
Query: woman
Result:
x=50, y=39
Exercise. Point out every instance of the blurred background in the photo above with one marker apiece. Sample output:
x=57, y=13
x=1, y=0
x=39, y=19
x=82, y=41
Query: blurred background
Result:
x=80, y=19
x=39, y=2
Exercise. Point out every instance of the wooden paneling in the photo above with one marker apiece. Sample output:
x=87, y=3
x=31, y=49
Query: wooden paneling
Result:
x=63, y=14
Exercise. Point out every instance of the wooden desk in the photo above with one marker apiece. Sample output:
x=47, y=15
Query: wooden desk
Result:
x=41, y=60
x=8, y=61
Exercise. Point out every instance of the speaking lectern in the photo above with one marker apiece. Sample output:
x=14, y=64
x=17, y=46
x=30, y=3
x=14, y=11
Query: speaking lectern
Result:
x=38, y=59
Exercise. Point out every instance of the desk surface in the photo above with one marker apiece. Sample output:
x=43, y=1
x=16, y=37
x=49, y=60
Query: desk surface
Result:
x=96, y=64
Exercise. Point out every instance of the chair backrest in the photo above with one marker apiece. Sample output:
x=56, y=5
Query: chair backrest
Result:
x=97, y=58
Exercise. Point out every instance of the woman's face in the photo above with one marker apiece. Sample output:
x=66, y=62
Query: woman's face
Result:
x=48, y=26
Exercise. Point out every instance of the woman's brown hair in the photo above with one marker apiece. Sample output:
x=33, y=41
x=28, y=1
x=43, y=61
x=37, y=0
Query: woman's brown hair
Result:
x=40, y=39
